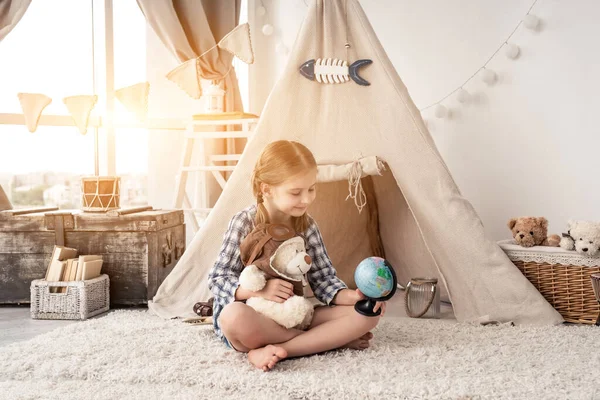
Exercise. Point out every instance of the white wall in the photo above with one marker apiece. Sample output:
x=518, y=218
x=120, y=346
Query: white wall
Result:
x=527, y=145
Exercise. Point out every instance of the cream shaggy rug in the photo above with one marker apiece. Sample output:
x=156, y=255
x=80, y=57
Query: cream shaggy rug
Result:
x=135, y=355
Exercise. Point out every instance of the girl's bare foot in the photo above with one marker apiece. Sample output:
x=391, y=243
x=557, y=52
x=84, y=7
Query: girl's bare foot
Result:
x=361, y=343
x=266, y=357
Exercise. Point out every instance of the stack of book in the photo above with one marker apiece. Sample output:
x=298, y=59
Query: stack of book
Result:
x=65, y=265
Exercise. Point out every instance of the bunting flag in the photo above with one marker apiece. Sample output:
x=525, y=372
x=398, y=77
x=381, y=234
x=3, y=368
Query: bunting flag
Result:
x=187, y=77
x=80, y=107
x=33, y=104
x=239, y=43
x=187, y=74
x=135, y=99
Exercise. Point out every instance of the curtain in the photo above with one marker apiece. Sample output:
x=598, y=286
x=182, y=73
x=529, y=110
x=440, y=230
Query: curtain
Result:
x=189, y=29
x=11, y=12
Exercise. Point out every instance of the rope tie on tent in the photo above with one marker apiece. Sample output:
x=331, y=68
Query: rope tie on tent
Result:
x=355, y=188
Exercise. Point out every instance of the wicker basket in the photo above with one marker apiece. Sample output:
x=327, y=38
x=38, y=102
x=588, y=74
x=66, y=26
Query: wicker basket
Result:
x=82, y=299
x=562, y=277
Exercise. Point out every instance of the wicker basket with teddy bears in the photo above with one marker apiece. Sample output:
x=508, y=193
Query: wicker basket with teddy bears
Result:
x=560, y=268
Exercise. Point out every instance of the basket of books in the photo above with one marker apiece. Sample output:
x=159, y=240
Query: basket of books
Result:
x=72, y=289
x=69, y=300
x=563, y=277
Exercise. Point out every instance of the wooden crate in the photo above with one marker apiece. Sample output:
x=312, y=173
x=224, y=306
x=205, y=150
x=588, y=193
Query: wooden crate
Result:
x=139, y=250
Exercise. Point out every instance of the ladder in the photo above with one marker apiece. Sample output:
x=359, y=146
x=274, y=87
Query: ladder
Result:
x=207, y=127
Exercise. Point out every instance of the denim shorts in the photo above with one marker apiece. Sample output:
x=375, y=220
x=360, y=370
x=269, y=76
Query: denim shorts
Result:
x=224, y=339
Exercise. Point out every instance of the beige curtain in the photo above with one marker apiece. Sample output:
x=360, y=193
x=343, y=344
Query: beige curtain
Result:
x=190, y=28
x=11, y=12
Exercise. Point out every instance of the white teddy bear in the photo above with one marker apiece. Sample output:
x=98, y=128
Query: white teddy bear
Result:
x=290, y=262
x=582, y=236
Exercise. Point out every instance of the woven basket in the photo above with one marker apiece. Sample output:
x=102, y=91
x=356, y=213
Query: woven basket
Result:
x=82, y=299
x=562, y=277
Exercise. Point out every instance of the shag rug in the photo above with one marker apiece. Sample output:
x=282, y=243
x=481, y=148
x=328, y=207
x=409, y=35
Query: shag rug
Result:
x=136, y=355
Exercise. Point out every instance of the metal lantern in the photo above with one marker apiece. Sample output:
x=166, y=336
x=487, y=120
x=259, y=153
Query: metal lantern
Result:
x=215, y=97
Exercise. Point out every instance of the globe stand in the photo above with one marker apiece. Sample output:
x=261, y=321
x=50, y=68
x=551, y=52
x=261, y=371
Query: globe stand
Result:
x=366, y=306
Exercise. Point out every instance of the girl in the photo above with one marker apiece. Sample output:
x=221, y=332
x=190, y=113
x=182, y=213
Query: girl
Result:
x=283, y=183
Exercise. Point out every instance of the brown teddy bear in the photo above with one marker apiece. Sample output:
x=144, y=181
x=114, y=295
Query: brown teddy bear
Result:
x=532, y=231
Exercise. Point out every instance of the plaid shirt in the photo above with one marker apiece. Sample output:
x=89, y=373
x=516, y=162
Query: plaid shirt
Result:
x=223, y=278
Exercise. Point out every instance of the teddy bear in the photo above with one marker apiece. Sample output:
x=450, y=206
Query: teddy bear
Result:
x=583, y=237
x=532, y=231
x=274, y=251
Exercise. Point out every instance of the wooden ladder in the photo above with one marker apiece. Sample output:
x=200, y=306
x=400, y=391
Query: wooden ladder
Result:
x=212, y=127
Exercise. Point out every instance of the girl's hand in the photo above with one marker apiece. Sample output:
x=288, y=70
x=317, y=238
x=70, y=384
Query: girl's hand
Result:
x=277, y=290
x=359, y=295
x=378, y=305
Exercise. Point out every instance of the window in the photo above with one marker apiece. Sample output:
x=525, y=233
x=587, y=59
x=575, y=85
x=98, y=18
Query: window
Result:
x=59, y=49
x=50, y=52
x=44, y=168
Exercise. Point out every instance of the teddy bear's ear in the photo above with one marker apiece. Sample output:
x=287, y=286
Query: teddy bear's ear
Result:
x=512, y=223
x=543, y=222
x=571, y=224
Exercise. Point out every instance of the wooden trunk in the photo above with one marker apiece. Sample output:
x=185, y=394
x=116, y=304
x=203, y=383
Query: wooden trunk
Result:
x=139, y=250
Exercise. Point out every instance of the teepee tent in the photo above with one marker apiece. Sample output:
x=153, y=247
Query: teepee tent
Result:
x=413, y=212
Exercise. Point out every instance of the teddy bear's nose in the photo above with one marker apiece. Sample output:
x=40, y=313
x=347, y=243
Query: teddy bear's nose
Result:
x=585, y=249
x=307, y=259
x=522, y=236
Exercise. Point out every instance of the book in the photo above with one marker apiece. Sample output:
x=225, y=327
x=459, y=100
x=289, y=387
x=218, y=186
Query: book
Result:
x=91, y=269
x=66, y=272
x=81, y=263
x=73, y=273
x=55, y=273
x=60, y=253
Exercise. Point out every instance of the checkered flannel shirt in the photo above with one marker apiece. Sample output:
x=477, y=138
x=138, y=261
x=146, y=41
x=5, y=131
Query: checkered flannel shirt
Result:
x=223, y=279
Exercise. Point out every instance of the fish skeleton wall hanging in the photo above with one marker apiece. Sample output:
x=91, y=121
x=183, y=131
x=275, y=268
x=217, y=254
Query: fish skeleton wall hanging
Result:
x=332, y=70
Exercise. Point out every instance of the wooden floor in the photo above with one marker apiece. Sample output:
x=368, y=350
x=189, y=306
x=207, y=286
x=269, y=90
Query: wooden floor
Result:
x=16, y=323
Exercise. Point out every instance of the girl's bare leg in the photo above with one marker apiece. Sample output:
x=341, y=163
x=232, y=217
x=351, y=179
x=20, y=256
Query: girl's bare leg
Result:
x=331, y=330
x=324, y=313
x=246, y=329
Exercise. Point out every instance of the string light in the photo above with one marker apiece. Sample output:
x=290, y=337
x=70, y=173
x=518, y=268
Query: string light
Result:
x=531, y=21
x=441, y=111
x=511, y=50
x=488, y=76
x=281, y=48
x=268, y=29
x=463, y=96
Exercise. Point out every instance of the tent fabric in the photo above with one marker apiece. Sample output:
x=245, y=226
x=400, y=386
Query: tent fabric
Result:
x=427, y=228
x=11, y=12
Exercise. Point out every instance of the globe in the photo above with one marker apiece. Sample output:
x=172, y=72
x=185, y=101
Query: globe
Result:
x=376, y=279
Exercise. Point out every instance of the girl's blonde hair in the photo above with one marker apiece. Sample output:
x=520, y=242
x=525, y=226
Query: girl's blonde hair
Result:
x=279, y=161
